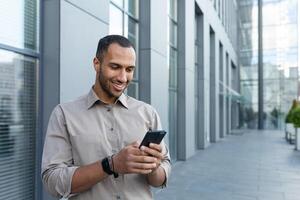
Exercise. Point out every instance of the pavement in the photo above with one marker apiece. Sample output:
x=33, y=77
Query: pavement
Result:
x=252, y=165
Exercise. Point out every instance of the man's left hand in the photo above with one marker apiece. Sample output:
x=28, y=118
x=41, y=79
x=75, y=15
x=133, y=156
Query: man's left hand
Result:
x=154, y=150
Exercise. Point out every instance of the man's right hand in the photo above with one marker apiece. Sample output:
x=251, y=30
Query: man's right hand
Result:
x=132, y=160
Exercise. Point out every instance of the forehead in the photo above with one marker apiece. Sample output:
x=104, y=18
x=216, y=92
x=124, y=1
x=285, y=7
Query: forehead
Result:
x=115, y=51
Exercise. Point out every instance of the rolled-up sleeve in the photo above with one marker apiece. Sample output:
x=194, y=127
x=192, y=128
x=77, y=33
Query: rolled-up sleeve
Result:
x=57, y=162
x=166, y=161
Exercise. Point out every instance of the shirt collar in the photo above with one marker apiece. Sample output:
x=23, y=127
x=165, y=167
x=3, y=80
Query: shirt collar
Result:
x=92, y=98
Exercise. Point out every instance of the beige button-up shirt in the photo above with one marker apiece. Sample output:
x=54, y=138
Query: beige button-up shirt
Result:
x=87, y=130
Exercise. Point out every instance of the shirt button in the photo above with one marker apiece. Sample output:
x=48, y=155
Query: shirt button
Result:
x=108, y=109
x=118, y=197
x=111, y=129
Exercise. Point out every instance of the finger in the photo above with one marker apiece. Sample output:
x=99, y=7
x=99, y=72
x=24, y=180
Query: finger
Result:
x=152, y=152
x=135, y=151
x=158, y=147
x=143, y=166
x=141, y=171
x=143, y=159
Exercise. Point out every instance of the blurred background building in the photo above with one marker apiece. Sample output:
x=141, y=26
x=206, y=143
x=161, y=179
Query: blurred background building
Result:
x=268, y=57
x=207, y=66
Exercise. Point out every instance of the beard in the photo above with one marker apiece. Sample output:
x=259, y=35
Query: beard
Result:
x=107, y=88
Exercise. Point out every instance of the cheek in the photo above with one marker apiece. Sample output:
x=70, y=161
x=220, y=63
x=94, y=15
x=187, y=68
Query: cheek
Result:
x=130, y=77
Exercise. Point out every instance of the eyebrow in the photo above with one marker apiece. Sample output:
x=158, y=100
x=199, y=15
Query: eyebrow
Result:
x=132, y=66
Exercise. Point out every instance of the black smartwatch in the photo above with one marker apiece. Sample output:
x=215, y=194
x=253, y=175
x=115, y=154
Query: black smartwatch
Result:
x=107, y=168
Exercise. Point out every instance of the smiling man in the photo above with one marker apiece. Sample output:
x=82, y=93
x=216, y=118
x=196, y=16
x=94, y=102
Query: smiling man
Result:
x=91, y=149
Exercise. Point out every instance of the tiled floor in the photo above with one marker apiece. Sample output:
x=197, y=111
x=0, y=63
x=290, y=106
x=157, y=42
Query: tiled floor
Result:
x=252, y=166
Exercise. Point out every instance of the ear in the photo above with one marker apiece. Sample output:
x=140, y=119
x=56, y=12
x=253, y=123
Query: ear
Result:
x=97, y=64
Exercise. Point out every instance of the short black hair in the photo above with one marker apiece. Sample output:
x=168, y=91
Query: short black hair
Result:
x=104, y=43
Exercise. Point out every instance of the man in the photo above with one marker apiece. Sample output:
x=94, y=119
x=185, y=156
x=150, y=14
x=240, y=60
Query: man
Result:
x=91, y=148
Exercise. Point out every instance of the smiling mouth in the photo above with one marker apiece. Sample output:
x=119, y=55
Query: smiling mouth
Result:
x=119, y=87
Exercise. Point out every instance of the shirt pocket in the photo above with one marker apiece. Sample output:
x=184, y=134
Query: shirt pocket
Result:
x=87, y=149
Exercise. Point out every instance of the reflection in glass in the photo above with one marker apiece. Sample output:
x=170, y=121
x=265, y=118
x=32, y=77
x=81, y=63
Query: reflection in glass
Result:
x=280, y=56
x=132, y=89
x=172, y=9
x=248, y=56
x=19, y=23
x=132, y=31
x=18, y=111
x=173, y=69
x=173, y=33
x=131, y=6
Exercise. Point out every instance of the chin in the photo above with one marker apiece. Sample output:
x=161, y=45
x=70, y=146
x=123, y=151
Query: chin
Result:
x=117, y=94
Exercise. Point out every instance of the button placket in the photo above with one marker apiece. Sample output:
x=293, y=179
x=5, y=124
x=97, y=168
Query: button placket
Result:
x=110, y=117
x=112, y=134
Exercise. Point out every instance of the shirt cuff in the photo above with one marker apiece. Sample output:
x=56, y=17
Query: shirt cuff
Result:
x=167, y=168
x=68, y=175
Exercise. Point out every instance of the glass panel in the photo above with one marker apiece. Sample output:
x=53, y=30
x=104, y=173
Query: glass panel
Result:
x=280, y=36
x=115, y=20
x=18, y=104
x=280, y=57
x=173, y=69
x=248, y=116
x=173, y=124
x=118, y=3
x=19, y=22
x=132, y=89
x=173, y=9
x=131, y=6
x=173, y=33
x=219, y=8
x=248, y=56
x=132, y=32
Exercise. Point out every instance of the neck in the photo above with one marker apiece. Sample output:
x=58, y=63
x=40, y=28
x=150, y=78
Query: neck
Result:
x=102, y=95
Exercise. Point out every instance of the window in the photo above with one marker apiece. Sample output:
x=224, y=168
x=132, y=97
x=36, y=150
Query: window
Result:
x=173, y=89
x=18, y=97
x=123, y=20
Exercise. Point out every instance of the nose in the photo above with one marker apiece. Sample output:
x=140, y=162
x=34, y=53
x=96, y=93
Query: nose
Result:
x=122, y=77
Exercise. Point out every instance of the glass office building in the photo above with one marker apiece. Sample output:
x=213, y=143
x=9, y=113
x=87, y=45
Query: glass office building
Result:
x=19, y=69
x=279, y=61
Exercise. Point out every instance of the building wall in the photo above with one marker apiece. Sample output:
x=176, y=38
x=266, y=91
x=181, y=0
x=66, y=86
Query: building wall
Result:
x=81, y=26
x=212, y=21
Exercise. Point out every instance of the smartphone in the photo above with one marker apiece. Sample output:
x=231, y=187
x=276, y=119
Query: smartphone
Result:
x=153, y=137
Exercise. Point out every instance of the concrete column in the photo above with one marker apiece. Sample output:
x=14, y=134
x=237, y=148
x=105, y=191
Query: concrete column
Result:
x=153, y=60
x=186, y=100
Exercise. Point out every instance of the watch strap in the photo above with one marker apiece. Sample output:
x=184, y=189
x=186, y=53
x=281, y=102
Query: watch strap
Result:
x=107, y=168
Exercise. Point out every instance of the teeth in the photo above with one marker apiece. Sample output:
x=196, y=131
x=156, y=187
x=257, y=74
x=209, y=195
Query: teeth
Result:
x=119, y=86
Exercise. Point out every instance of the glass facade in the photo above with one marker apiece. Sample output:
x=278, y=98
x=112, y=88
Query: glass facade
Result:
x=18, y=97
x=248, y=56
x=173, y=88
x=123, y=20
x=280, y=60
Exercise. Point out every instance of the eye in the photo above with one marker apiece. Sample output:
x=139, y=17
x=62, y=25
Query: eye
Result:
x=114, y=66
x=130, y=69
